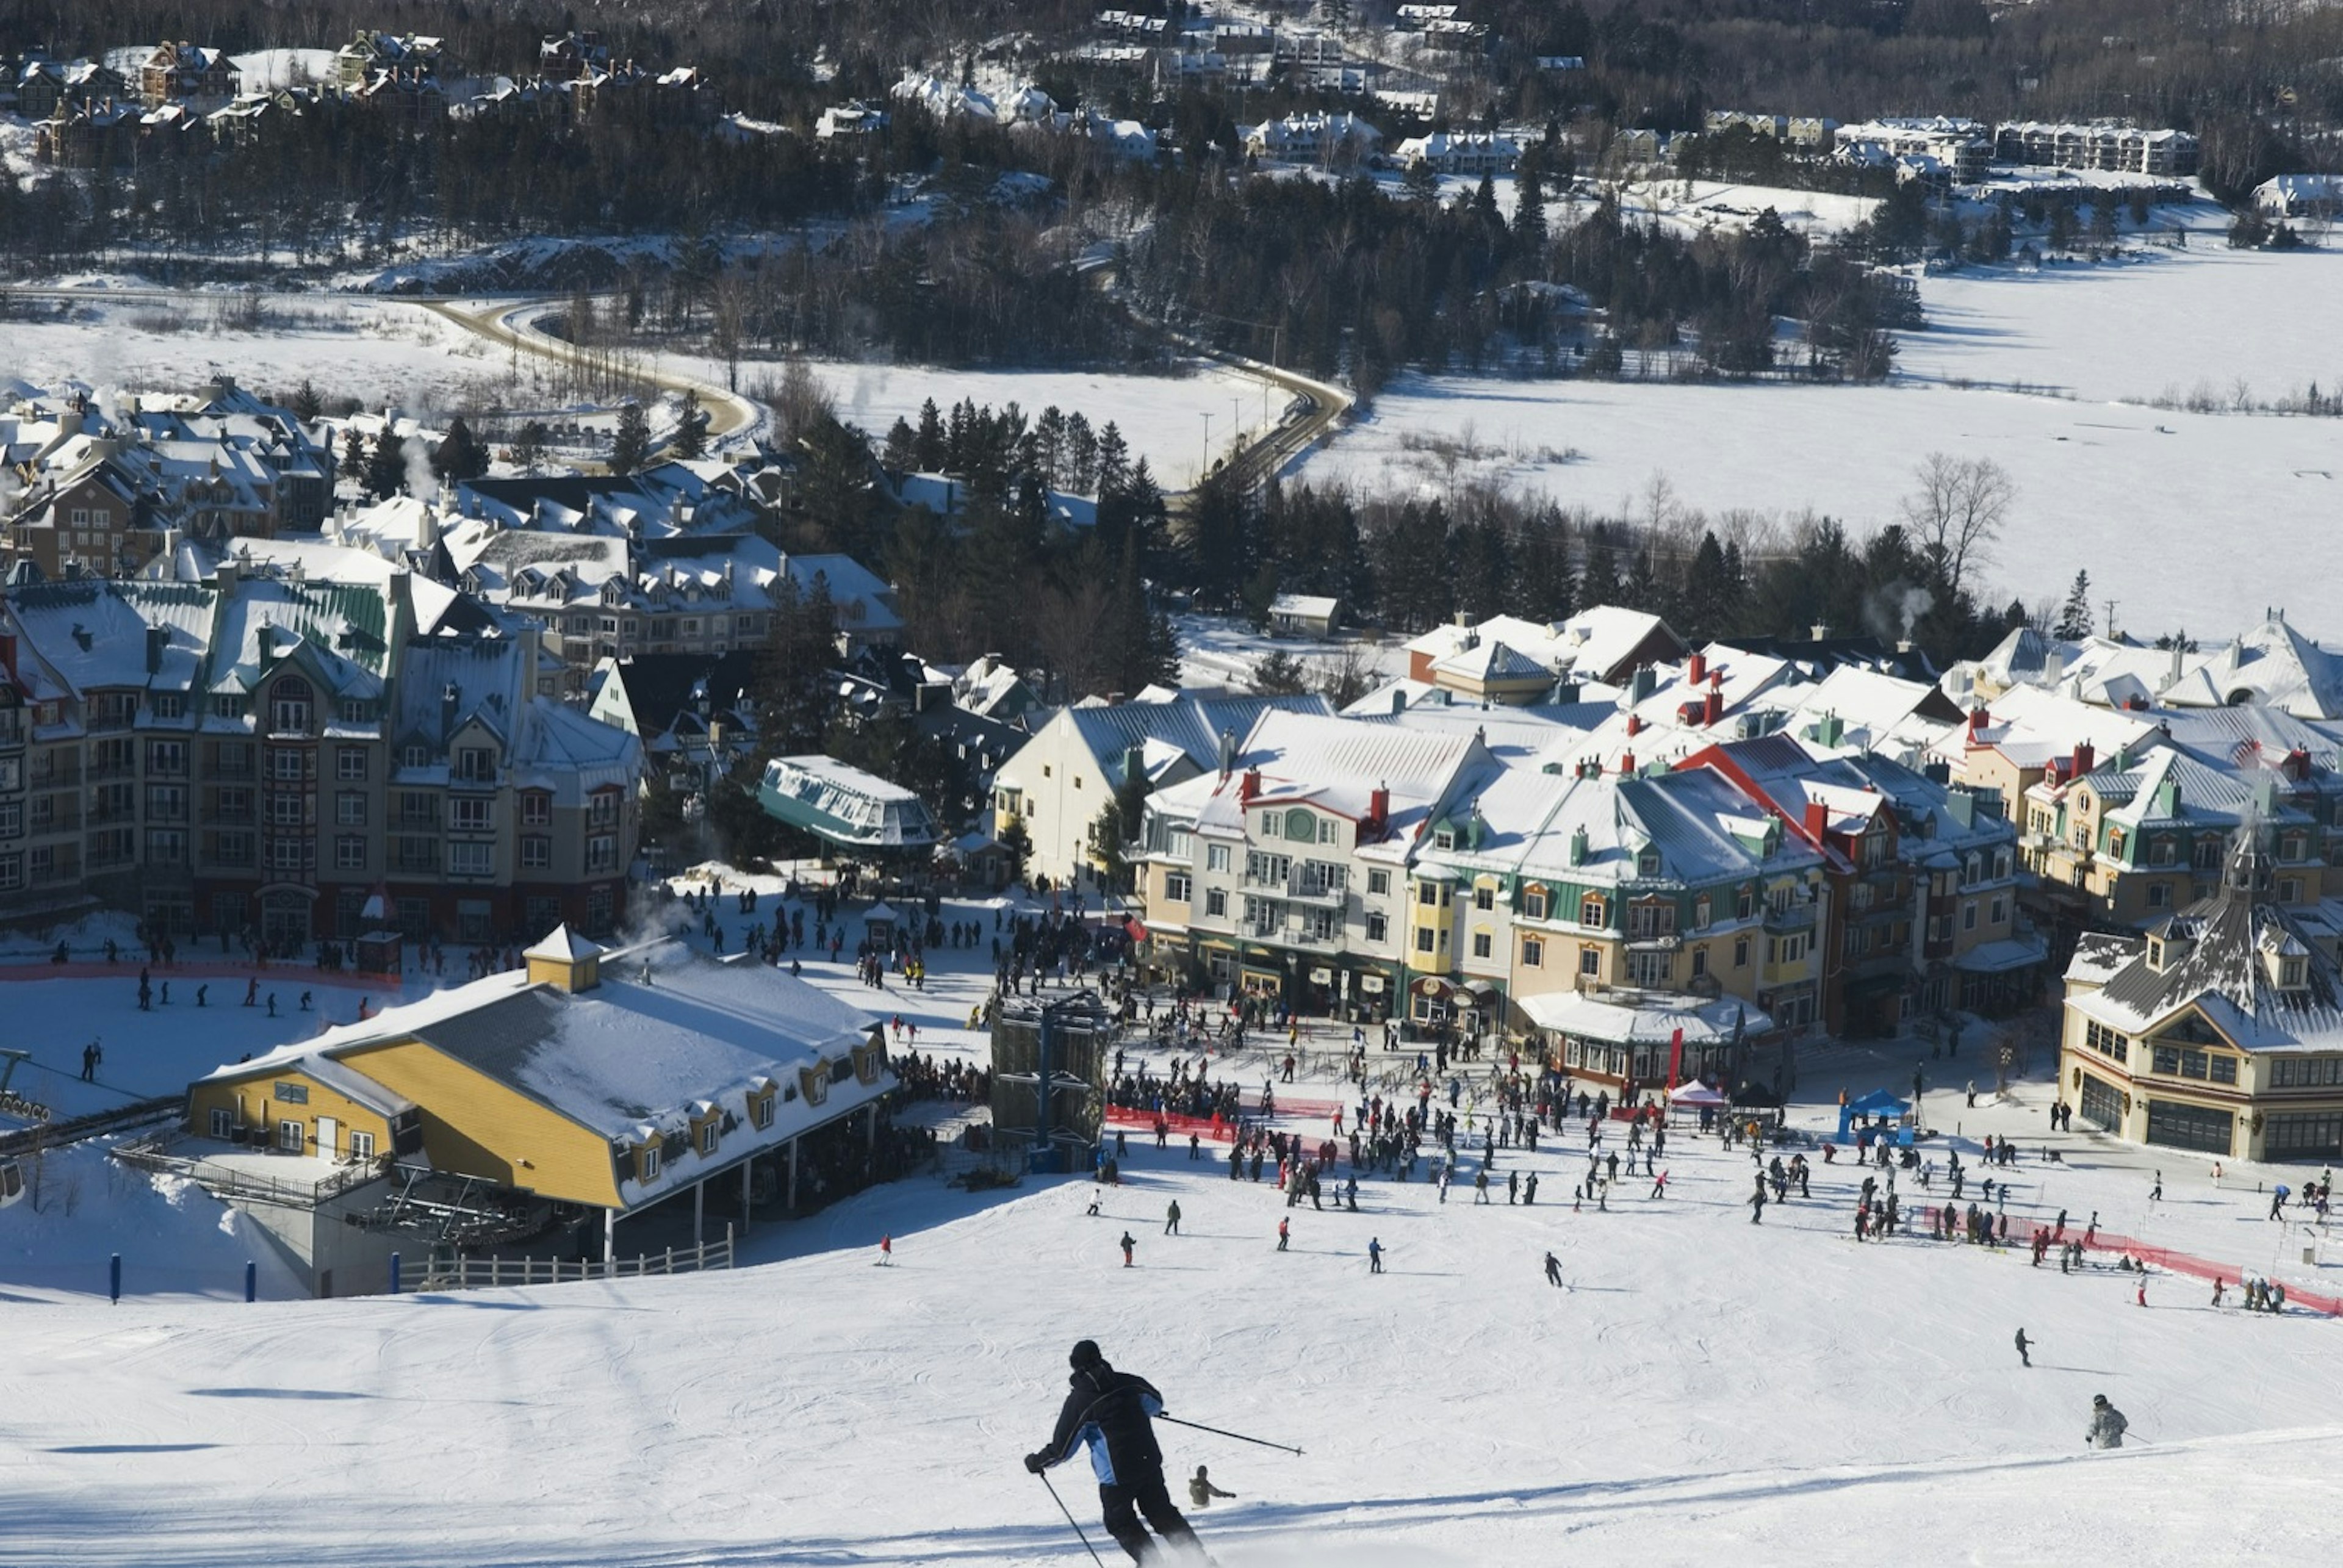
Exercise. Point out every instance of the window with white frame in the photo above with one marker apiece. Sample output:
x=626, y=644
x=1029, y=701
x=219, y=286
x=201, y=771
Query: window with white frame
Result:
x=470, y=859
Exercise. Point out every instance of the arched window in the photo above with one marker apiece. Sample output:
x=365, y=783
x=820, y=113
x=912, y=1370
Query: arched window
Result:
x=291, y=704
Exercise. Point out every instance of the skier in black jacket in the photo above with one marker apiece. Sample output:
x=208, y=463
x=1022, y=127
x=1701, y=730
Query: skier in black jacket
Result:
x=1112, y=1413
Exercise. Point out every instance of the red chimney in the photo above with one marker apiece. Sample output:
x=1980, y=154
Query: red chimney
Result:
x=1713, y=708
x=1978, y=719
x=1627, y=764
x=1697, y=670
x=1378, y=807
x=1249, y=786
x=2083, y=759
x=1817, y=820
x=1634, y=725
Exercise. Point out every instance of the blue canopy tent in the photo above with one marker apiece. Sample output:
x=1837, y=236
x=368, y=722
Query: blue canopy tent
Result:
x=1878, y=1103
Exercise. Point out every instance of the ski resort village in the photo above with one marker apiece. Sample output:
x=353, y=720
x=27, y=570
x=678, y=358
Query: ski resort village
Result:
x=1265, y=782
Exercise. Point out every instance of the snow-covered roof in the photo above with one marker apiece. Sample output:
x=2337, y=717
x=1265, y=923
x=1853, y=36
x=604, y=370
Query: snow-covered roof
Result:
x=2218, y=957
x=1651, y=1018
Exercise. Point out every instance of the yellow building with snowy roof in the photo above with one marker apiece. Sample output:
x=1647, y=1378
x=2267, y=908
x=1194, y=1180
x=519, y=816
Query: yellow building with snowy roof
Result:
x=609, y=1082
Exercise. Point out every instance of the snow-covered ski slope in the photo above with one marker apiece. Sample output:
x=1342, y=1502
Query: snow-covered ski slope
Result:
x=1707, y=1387
x=1705, y=1390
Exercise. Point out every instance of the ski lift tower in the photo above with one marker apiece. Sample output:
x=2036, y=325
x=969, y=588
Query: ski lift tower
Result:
x=1049, y=1077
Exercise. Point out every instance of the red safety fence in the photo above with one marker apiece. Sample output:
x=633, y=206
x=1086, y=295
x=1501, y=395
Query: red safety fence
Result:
x=1211, y=1129
x=1215, y=1129
x=2023, y=1232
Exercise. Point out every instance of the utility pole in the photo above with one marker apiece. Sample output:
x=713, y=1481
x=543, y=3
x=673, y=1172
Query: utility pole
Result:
x=1207, y=466
x=2111, y=617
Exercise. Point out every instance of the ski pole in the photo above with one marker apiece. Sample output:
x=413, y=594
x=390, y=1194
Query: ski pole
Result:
x=1240, y=1437
x=1070, y=1519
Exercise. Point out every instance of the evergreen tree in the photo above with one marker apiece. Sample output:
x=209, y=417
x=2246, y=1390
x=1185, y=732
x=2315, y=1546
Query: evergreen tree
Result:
x=307, y=404
x=385, y=469
x=630, y=447
x=928, y=444
x=1598, y=580
x=2075, y=616
x=902, y=446
x=691, y=434
x=1529, y=214
x=353, y=453
x=458, y=456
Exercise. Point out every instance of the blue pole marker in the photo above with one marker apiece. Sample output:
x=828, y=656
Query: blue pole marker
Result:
x=251, y=1280
x=114, y=1279
x=394, y=1273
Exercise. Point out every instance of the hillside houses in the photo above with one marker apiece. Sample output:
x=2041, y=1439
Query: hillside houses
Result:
x=1463, y=152
x=183, y=73
x=1337, y=138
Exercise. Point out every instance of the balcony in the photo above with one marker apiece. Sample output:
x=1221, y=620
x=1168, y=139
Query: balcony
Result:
x=1788, y=917
x=1317, y=889
x=100, y=772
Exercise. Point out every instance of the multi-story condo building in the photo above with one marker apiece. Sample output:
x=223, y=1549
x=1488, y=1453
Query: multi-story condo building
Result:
x=263, y=754
x=2216, y=1030
x=1599, y=882
x=1924, y=879
x=1284, y=875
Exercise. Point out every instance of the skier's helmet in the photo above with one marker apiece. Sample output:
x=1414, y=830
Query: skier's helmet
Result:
x=2098, y=1399
x=1085, y=1355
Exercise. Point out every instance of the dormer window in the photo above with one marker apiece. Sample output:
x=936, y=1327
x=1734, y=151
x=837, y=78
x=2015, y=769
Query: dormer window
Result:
x=1647, y=864
x=1443, y=838
x=2289, y=974
x=2156, y=954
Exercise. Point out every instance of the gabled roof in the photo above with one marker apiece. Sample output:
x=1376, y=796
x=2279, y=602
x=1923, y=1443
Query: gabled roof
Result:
x=2223, y=972
x=1193, y=722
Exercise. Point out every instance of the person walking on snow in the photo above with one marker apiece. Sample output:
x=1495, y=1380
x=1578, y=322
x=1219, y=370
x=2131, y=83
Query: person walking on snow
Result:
x=1552, y=1270
x=1172, y=1219
x=1374, y=1256
x=2024, y=1345
x=1283, y=1235
x=1112, y=1414
x=2108, y=1424
x=886, y=1251
x=1126, y=1244
x=2156, y=1193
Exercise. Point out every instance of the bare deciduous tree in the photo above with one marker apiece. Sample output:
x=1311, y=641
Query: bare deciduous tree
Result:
x=1957, y=512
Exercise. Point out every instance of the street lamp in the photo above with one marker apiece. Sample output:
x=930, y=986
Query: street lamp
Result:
x=1207, y=465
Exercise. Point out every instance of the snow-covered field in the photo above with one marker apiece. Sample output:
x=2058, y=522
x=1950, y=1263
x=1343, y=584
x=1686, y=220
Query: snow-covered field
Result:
x=1162, y=417
x=2167, y=323
x=380, y=352
x=2177, y=516
x=1704, y=1389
